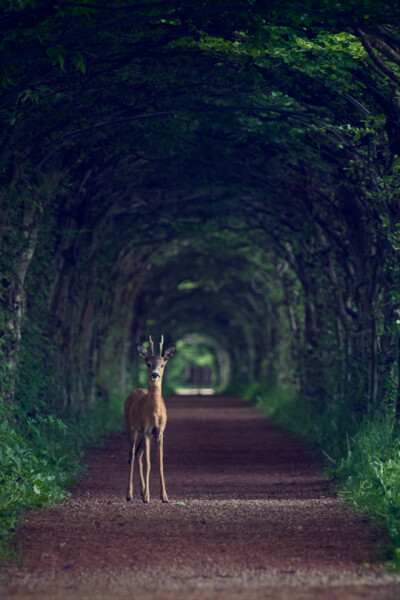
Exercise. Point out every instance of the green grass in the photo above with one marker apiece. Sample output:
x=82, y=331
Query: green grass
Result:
x=369, y=475
x=40, y=456
x=362, y=455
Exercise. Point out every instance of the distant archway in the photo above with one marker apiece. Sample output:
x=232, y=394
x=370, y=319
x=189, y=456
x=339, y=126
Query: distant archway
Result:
x=201, y=365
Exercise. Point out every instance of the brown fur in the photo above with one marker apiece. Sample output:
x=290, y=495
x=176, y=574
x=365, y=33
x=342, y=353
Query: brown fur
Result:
x=146, y=417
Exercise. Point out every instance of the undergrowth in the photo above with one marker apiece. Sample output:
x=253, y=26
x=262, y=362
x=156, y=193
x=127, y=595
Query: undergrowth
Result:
x=39, y=457
x=362, y=455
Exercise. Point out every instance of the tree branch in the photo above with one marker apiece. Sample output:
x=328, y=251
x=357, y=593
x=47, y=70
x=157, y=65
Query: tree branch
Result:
x=375, y=58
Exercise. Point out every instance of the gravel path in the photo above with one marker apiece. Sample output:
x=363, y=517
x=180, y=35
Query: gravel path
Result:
x=249, y=517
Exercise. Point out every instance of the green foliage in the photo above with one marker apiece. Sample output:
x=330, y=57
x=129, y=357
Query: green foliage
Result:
x=40, y=456
x=189, y=355
x=41, y=443
x=369, y=474
x=32, y=473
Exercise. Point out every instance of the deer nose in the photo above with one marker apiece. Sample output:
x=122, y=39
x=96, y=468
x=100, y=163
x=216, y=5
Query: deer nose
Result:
x=155, y=375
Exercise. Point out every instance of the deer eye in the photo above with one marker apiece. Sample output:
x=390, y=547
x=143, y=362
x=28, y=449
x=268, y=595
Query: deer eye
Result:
x=162, y=366
x=148, y=364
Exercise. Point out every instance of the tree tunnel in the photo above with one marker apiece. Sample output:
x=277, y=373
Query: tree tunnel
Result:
x=224, y=174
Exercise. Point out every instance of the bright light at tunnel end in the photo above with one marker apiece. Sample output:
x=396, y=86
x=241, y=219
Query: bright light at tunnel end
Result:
x=182, y=391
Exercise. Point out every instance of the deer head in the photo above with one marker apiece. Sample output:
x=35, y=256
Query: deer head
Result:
x=156, y=362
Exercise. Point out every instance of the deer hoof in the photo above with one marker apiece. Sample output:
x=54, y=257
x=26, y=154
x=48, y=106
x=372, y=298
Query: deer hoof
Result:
x=128, y=498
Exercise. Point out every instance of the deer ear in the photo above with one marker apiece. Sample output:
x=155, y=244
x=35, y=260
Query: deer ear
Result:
x=141, y=351
x=170, y=352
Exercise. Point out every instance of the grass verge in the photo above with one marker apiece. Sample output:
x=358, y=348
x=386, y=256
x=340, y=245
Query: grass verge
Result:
x=40, y=455
x=362, y=455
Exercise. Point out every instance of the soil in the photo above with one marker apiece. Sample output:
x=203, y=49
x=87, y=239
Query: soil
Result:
x=250, y=516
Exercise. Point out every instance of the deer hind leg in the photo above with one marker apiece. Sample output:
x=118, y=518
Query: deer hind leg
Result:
x=129, y=493
x=140, y=451
x=159, y=435
x=146, y=496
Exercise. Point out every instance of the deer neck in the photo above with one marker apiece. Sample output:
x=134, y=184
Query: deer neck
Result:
x=154, y=393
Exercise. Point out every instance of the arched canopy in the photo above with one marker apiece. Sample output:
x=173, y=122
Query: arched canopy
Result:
x=202, y=168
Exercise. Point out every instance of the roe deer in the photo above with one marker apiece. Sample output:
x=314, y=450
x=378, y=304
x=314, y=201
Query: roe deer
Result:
x=146, y=416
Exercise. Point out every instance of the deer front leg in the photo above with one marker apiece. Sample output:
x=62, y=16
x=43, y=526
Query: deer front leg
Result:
x=160, y=459
x=146, y=497
x=129, y=493
x=142, y=482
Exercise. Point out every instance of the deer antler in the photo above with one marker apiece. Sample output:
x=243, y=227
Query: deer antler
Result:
x=161, y=344
x=151, y=345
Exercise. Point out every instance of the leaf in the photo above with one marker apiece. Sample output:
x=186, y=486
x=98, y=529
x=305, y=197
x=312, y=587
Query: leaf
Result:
x=79, y=63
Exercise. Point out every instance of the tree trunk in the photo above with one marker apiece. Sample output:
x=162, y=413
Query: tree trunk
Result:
x=13, y=302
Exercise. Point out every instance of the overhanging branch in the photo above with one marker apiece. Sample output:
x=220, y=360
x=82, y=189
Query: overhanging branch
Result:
x=125, y=119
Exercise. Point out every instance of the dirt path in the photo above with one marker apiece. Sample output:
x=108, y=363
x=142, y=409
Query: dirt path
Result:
x=248, y=518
